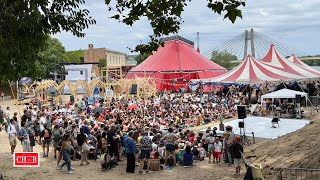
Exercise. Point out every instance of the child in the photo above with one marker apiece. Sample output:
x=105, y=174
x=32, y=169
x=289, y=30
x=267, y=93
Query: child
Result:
x=217, y=151
x=237, y=150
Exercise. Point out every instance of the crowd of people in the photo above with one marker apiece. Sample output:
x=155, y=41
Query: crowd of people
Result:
x=153, y=132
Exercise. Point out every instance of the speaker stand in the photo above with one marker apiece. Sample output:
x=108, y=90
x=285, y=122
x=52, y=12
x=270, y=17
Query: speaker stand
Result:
x=243, y=137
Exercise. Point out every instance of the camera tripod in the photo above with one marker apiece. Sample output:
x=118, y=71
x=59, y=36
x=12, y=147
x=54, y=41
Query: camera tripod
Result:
x=243, y=138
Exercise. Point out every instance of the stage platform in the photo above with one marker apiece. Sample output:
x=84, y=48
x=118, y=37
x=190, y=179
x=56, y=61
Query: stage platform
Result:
x=261, y=126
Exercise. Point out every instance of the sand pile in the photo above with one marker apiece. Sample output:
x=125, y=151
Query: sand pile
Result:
x=299, y=149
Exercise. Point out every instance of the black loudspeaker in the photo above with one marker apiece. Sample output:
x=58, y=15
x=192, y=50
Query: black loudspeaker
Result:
x=242, y=113
x=241, y=124
x=134, y=88
x=298, y=98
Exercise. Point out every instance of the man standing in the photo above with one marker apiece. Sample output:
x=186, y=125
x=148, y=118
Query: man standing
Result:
x=12, y=134
x=2, y=97
x=8, y=115
x=146, y=147
x=130, y=150
x=169, y=140
x=24, y=138
x=1, y=118
x=112, y=138
x=237, y=151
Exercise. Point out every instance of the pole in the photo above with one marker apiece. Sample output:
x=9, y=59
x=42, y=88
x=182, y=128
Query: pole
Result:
x=14, y=97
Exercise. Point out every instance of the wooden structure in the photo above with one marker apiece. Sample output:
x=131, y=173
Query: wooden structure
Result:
x=42, y=87
x=146, y=87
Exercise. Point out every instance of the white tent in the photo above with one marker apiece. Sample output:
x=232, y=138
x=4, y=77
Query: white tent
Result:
x=283, y=94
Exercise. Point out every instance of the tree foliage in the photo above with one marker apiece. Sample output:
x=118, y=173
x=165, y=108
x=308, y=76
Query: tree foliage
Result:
x=51, y=57
x=141, y=57
x=74, y=56
x=223, y=59
x=165, y=15
x=25, y=27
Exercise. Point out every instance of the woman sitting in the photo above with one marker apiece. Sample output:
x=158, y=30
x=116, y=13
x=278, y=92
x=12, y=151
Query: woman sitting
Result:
x=187, y=159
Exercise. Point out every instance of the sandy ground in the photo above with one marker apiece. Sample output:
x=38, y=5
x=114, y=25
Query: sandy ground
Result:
x=47, y=169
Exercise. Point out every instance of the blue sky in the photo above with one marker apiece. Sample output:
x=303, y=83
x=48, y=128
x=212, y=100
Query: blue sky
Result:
x=293, y=22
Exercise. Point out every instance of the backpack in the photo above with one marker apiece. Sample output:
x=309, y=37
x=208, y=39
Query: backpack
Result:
x=56, y=135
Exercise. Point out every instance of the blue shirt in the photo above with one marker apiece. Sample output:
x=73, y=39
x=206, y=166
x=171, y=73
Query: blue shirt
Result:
x=130, y=146
x=86, y=130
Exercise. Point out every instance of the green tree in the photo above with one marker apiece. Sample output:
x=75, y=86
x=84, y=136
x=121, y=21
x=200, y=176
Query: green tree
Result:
x=74, y=56
x=165, y=15
x=51, y=58
x=141, y=57
x=223, y=59
x=25, y=26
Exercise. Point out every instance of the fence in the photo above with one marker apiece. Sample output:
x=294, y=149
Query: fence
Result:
x=299, y=174
x=315, y=100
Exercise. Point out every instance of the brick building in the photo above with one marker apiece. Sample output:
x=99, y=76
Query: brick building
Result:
x=113, y=58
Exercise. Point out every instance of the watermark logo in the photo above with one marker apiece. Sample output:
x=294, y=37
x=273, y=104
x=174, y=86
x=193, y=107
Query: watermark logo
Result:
x=26, y=159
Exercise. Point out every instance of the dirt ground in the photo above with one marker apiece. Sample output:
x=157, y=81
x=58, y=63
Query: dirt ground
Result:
x=296, y=149
x=47, y=169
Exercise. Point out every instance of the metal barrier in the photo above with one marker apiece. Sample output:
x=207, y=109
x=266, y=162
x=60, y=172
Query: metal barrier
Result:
x=315, y=100
x=299, y=174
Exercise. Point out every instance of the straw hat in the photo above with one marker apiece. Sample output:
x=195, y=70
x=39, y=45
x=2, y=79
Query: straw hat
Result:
x=74, y=124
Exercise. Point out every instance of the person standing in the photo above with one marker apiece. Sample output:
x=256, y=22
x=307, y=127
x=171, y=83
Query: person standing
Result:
x=169, y=140
x=8, y=115
x=56, y=139
x=112, y=141
x=1, y=118
x=210, y=141
x=12, y=134
x=46, y=135
x=73, y=138
x=146, y=147
x=66, y=152
x=2, y=97
x=130, y=146
x=24, y=138
x=237, y=151
x=32, y=136
x=84, y=151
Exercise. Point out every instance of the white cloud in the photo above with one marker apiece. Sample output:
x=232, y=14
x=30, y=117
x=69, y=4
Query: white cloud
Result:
x=293, y=22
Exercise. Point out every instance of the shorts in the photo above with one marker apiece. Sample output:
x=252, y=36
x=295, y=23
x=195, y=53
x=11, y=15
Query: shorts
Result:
x=210, y=148
x=55, y=144
x=237, y=162
x=46, y=141
x=113, y=151
x=170, y=147
x=145, y=154
x=13, y=141
x=217, y=155
x=38, y=133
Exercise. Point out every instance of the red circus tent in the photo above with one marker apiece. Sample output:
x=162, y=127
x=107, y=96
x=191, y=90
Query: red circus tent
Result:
x=175, y=64
x=274, y=59
x=252, y=71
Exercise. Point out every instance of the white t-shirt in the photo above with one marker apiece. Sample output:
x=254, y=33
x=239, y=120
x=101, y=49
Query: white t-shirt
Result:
x=217, y=147
x=154, y=147
x=42, y=121
x=7, y=114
